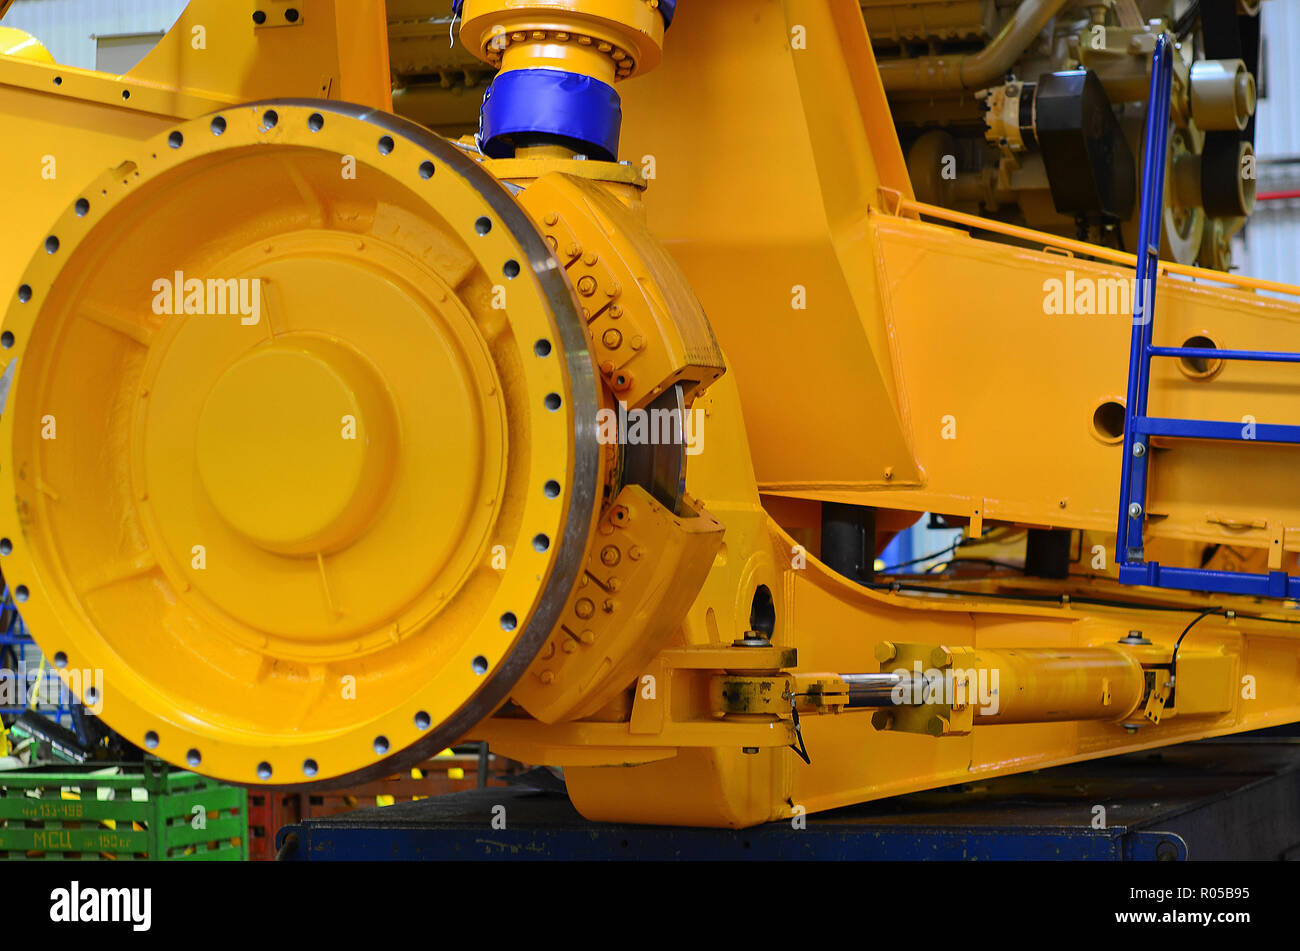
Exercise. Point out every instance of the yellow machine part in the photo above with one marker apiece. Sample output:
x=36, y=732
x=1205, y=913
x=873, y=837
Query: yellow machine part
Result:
x=313, y=458
x=318, y=437
x=21, y=45
x=604, y=39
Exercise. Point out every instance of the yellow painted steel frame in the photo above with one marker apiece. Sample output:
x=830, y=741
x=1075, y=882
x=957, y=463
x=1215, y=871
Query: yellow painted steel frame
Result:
x=65, y=125
x=857, y=335
x=854, y=332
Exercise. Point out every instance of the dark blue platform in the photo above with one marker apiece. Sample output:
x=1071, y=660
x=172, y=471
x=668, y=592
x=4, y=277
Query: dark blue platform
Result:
x=1217, y=799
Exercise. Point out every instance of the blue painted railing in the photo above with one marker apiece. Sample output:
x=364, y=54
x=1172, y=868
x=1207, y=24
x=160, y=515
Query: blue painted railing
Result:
x=1139, y=427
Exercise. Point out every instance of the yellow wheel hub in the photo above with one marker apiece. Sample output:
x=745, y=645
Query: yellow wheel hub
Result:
x=288, y=415
x=300, y=441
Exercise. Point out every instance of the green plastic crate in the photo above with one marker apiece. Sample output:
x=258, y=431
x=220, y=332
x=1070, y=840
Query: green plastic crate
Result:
x=36, y=821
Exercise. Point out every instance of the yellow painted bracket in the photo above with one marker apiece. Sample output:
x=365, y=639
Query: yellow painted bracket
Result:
x=751, y=684
x=647, y=328
x=1159, y=698
x=669, y=712
x=644, y=568
x=720, y=657
x=1206, y=686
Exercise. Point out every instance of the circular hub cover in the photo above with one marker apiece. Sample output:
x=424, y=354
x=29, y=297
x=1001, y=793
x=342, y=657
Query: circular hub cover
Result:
x=299, y=442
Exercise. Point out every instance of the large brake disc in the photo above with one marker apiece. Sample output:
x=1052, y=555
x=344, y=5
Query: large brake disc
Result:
x=299, y=451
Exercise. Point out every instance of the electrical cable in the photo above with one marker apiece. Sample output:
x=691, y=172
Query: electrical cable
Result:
x=1066, y=598
x=938, y=554
x=1173, y=660
x=976, y=561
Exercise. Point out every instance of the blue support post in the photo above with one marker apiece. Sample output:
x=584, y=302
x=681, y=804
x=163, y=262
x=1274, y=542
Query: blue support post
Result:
x=1133, y=475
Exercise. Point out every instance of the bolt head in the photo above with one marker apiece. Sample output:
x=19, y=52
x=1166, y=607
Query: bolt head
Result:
x=1139, y=450
x=1135, y=510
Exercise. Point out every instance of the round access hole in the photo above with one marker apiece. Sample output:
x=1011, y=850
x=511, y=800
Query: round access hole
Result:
x=762, y=612
x=1200, y=368
x=1108, y=421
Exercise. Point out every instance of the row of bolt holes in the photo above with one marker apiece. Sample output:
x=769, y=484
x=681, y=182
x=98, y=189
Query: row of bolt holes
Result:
x=309, y=768
x=482, y=225
x=58, y=81
x=291, y=15
x=259, y=17
x=552, y=402
x=422, y=720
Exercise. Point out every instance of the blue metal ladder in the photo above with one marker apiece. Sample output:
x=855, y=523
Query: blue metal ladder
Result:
x=1139, y=427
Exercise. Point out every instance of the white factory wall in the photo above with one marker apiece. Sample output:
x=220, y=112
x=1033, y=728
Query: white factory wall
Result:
x=1269, y=247
x=1277, y=131
x=68, y=27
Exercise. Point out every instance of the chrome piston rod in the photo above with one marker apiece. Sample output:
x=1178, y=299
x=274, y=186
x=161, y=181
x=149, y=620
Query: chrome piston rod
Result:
x=873, y=690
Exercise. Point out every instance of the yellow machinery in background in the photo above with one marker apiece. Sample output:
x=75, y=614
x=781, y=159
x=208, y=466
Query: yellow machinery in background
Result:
x=331, y=441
